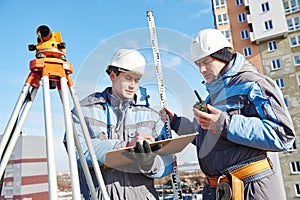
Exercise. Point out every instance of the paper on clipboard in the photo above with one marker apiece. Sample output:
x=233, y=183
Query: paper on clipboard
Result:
x=115, y=158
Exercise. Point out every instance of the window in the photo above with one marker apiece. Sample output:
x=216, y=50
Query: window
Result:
x=275, y=64
x=227, y=34
x=9, y=166
x=298, y=39
x=295, y=167
x=294, y=41
x=297, y=23
x=9, y=192
x=297, y=59
x=286, y=7
x=244, y=34
x=290, y=24
x=291, y=6
x=220, y=4
x=294, y=147
x=265, y=7
x=9, y=183
x=298, y=79
x=272, y=46
x=247, y=51
x=222, y=19
x=268, y=25
x=9, y=174
x=286, y=103
x=280, y=82
x=293, y=23
x=241, y=17
x=239, y=2
x=297, y=189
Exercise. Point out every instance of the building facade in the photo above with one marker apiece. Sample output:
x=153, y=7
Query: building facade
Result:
x=268, y=34
x=26, y=175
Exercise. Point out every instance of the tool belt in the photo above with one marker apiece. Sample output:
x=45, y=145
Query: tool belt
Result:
x=237, y=177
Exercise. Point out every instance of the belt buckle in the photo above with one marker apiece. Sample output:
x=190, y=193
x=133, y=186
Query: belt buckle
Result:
x=220, y=177
x=225, y=188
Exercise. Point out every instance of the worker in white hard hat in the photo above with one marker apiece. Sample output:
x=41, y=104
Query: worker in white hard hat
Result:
x=115, y=121
x=246, y=117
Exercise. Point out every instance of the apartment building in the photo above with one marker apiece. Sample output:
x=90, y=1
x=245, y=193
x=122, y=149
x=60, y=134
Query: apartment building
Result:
x=267, y=32
x=26, y=174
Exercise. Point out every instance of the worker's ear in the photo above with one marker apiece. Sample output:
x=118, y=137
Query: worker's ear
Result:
x=112, y=76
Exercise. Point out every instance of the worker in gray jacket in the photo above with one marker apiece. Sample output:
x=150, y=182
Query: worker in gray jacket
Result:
x=246, y=117
x=115, y=121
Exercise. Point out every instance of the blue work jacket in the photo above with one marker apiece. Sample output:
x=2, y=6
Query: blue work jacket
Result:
x=112, y=124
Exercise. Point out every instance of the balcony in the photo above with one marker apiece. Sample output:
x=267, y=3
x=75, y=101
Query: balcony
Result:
x=252, y=38
x=246, y=2
x=249, y=19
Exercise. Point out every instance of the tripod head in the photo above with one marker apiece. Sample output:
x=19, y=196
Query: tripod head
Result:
x=50, y=44
x=51, y=58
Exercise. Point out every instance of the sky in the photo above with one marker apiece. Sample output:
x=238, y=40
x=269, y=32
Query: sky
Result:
x=92, y=31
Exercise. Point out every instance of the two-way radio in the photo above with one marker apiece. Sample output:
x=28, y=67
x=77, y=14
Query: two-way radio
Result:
x=200, y=105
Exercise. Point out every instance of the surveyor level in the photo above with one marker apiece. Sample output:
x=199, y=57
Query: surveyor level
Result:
x=52, y=69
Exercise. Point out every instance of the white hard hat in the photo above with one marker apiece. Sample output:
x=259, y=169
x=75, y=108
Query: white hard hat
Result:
x=129, y=59
x=206, y=42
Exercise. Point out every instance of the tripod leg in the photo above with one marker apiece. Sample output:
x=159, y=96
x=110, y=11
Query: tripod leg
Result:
x=70, y=139
x=13, y=120
x=49, y=140
x=84, y=163
x=85, y=166
x=89, y=143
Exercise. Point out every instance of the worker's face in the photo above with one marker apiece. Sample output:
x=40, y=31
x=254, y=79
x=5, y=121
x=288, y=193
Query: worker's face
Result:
x=210, y=68
x=125, y=84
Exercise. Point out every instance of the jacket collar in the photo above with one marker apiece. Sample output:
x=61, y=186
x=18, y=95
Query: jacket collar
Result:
x=106, y=97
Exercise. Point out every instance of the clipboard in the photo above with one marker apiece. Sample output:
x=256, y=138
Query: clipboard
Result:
x=115, y=158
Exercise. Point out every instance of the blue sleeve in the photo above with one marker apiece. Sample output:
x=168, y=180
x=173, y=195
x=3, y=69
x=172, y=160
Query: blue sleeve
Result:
x=272, y=129
x=183, y=126
x=100, y=146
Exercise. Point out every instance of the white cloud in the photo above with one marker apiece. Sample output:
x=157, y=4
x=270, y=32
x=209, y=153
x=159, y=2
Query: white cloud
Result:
x=173, y=61
x=199, y=1
x=132, y=43
x=200, y=13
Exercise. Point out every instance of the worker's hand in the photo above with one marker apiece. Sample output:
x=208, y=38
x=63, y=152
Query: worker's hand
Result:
x=166, y=112
x=143, y=154
x=208, y=121
x=140, y=138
